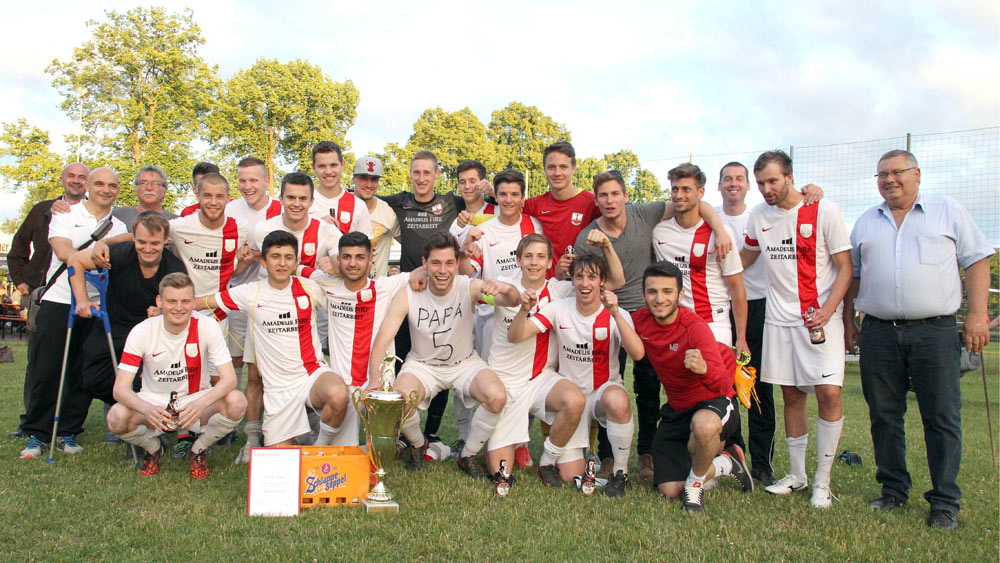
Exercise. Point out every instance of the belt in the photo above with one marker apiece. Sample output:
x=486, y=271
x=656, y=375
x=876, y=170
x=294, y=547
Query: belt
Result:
x=907, y=322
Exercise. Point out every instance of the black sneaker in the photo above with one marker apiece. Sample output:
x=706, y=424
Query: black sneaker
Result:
x=739, y=471
x=693, y=498
x=413, y=457
x=472, y=468
x=549, y=474
x=941, y=518
x=616, y=484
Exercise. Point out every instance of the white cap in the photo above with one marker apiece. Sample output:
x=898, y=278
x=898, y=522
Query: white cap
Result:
x=368, y=166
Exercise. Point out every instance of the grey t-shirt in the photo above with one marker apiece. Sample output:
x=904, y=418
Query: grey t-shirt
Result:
x=128, y=214
x=634, y=249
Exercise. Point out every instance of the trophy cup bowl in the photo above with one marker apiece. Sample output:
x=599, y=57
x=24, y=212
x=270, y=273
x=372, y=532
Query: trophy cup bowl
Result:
x=384, y=412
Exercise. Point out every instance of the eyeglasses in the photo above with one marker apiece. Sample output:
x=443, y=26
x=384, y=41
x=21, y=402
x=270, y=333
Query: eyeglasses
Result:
x=144, y=183
x=894, y=173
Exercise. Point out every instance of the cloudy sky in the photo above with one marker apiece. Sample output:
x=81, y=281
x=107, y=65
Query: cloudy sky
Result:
x=662, y=80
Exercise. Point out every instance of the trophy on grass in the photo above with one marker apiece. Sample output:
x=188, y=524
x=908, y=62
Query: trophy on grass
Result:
x=384, y=412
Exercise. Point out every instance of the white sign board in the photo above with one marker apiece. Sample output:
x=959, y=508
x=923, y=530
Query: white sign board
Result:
x=274, y=484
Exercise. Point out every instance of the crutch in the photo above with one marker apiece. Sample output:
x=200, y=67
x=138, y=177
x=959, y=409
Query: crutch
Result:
x=100, y=281
x=989, y=418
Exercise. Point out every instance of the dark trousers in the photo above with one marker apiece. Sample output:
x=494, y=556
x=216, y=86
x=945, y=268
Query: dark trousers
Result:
x=925, y=357
x=760, y=424
x=99, y=370
x=45, y=356
x=646, y=386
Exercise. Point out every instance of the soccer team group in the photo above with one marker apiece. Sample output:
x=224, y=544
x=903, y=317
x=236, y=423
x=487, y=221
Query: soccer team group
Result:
x=523, y=308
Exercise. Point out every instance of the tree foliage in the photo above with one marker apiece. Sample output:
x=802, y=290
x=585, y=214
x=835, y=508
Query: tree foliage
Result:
x=30, y=165
x=521, y=133
x=453, y=137
x=277, y=111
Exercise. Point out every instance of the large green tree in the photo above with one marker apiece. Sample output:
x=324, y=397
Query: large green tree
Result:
x=453, y=136
x=521, y=133
x=276, y=111
x=140, y=91
x=29, y=166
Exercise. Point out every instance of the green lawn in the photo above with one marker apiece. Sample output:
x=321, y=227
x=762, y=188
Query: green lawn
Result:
x=95, y=506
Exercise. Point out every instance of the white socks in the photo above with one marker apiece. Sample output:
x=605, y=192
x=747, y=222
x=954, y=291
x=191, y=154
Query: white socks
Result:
x=723, y=465
x=797, y=455
x=142, y=437
x=326, y=435
x=827, y=439
x=463, y=417
x=483, y=424
x=254, y=433
x=550, y=453
x=620, y=437
x=410, y=429
x=216, y=427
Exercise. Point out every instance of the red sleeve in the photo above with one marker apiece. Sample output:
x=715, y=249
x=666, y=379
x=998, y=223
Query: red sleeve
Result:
x=226, y=302
x=718, y=378
x=131, y=359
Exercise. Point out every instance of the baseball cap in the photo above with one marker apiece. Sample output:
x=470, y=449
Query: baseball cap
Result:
x=368, y=166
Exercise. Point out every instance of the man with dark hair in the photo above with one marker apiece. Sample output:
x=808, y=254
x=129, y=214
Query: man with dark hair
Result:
x=590, y=330
x=286, y=345
x=906, y=255
x=197, y=172
x=442, y=356
x=472, y=185
x=697, y=374
x=30, y=253
x=331, y=202
x=176, y=350
x=806, y=249
x=385, y=225
x=150, y=189
x=46, y=345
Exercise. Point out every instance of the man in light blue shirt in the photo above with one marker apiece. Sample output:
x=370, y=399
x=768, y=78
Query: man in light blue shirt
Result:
x=906, y=254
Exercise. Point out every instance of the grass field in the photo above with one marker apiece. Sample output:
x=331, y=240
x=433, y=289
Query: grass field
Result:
x=94, y=506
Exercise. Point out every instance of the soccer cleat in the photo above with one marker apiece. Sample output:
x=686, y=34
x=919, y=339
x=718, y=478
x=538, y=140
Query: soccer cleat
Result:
x=787, y=484
x=151, y=463
x=413, y=457
x=33, y=449
x=693, y=498
x=199, y=467
x=646, y=467
x=471, y=467
x=549, y=474
x=456, y=448
x=822, y=496
x=606, y=468
x=67, y=444
x=244, y=455
x=616, y=484
x=183, y=446
x=739, y=470
x=523, y=457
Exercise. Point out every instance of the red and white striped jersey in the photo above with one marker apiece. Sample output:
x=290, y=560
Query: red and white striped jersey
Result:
x=354, y=319
x=175, y=362
x=693, y=252
x=282, y=323
x=441, y=327
x=796, y=246
x=588, y=346
x=248, y=219
x=208, y=254
x=461, y=232
x=317, y=239
x=517, y=364
x=348, y=210
x=191, y=209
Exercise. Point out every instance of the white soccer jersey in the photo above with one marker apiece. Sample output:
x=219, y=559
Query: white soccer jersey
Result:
x=248, y=219
x=516, y=364
x=796, y=246
x=175, y=362
x=754, y=277
x=77, y=226
x=693, y=252
x=487, y=210
x=385, y=227
x=283, y=324
x=588, y=346
x=441, y=327
x=498, y=248
x=348, y=210
x=208, y=254
x=316, y=239
x=354, y=318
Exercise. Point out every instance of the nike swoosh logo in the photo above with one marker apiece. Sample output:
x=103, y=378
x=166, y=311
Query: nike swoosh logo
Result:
x=546, y=211
x=188, y=241
x=764, y=230
x=563, y=327
x=492, y=244
x=157, y=354
x=259, y=306
x=825, y=375
x=661, y=242
x=644, y=337
x=77, y=226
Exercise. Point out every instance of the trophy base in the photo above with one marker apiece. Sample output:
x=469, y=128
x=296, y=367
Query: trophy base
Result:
x=380, y=506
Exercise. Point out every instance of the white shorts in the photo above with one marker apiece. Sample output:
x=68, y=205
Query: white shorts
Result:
x=161, y=399
x=284, y=415
x=591, y=411
x=237, y=334
x=438, y=378
x=722, y=331
x=790, y=359
x=512, y=426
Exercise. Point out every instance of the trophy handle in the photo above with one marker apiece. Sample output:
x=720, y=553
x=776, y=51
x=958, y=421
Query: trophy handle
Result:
x=356, y=398
x=411, y=404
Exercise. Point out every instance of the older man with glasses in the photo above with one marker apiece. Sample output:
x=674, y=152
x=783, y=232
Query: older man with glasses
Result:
x=150, y=189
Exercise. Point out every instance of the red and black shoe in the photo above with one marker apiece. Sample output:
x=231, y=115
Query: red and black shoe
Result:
x=199, y=467
x=151, y=463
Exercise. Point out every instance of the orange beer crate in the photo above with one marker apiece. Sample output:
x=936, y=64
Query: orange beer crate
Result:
x=334, y=475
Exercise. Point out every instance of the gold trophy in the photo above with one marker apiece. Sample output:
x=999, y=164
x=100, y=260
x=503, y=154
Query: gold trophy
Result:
x=384, y=411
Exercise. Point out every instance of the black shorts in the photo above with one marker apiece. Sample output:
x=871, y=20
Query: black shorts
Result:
x=671, y=459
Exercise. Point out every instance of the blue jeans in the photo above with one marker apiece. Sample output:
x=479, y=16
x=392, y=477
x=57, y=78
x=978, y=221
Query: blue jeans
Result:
x=923, y=357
